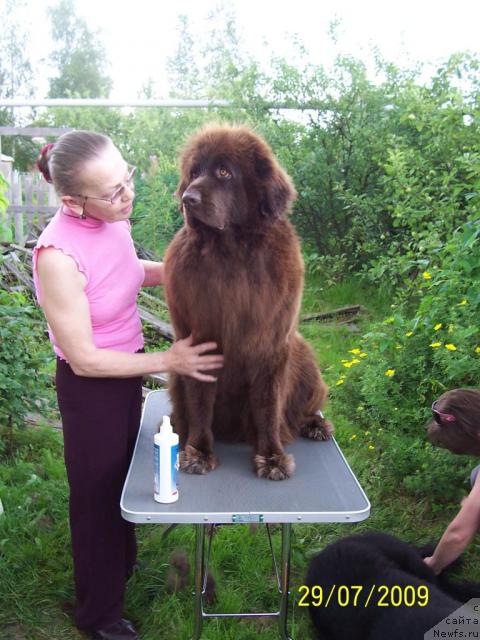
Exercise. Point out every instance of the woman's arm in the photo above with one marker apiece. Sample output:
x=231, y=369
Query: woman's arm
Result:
x=153, y=273
x=459, y=533
x=66, y=308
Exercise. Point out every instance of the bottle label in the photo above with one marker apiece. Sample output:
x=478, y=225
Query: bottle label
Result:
x=174, y=467
x=156, y=467
x=161, y=480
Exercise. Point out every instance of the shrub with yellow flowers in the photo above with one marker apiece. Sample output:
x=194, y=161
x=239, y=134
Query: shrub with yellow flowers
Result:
x=429, y=344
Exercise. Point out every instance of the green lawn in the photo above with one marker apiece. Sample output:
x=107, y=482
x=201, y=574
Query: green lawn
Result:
x=35, y=564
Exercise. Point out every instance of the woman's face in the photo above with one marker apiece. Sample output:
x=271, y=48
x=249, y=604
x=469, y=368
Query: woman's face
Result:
x=101, y=178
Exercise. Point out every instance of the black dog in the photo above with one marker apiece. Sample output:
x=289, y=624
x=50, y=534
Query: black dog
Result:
x=377, y=585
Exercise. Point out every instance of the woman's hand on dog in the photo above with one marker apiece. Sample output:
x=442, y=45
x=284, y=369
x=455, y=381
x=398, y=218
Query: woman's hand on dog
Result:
x=188, y=360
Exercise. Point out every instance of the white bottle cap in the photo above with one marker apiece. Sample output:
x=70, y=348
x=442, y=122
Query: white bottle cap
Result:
x=166, y=427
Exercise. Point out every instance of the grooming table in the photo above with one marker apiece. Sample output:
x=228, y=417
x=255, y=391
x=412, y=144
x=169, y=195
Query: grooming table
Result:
x=323, y=489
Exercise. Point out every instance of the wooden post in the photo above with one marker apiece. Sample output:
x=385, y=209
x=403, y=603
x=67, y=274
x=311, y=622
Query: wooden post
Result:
x=17, y=200
x=28, y=187
x=6, y=170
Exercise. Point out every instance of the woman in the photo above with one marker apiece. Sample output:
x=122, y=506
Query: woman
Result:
x=87, y=277
x=456, y=427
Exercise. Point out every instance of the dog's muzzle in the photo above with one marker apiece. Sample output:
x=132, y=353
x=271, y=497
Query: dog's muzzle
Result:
x=192, y=198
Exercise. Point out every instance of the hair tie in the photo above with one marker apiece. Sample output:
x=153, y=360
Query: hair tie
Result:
x=45, y=149
x=42, y=161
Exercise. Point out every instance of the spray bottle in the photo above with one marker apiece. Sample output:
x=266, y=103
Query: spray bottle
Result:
x=165, y=447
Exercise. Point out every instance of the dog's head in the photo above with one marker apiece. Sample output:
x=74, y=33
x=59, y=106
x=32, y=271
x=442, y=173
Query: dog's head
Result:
x=230, y=177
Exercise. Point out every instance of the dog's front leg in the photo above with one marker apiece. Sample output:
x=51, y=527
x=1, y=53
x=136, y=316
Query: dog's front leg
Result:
x=270, y=460
x=199, y=401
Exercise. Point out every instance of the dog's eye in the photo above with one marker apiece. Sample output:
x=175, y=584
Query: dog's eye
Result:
x=194, y=175
x=223, y=173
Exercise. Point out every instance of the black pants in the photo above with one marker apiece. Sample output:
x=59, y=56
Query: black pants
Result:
x=100, y=417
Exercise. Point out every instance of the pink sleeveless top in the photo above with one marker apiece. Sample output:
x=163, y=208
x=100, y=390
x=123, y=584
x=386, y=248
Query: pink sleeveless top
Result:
x=105, y=254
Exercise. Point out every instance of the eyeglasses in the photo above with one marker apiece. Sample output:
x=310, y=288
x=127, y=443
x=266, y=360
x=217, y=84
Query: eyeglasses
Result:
x=438, y=416
x=118, y=193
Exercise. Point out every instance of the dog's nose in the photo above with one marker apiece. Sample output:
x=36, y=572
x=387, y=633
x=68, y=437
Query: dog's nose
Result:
x=191, y=197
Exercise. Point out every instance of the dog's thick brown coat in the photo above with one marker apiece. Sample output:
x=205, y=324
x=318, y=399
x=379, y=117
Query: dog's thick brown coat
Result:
x=234, y=275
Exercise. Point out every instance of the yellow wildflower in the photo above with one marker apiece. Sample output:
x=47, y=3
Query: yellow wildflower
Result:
x=347, y=364
x=438, y=326
x=354, y=351
x=371, y=447
x=464, y=301
x=353, y=437
x=451, y=347
x=355, y=361
x=427, y=275
x=436, y=344
x=341, y=381
x=477, y=350
x=367, y=433
x=390, y=372
x=363, y=355
x=409, y=333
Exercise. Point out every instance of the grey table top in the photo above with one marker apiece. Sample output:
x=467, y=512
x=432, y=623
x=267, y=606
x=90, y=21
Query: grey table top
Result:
x=323, y=488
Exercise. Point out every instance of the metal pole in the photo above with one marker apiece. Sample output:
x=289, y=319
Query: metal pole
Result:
x=108, y=102
x=171, y=103
x=285, y=580
x=199, y=569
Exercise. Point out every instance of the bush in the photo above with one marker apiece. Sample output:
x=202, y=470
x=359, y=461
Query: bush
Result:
x=430, y=343
x=22, y=365
x=157, y=216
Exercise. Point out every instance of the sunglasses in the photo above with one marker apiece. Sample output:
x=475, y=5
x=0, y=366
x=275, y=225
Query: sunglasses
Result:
x=438, y=416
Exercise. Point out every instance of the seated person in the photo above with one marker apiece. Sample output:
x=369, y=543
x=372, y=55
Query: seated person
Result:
x=456, y=427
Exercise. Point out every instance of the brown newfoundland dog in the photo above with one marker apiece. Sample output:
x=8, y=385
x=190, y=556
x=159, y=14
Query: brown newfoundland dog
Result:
x=234, y=275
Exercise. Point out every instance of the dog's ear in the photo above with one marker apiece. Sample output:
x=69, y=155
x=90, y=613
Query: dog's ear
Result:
x=277, y=190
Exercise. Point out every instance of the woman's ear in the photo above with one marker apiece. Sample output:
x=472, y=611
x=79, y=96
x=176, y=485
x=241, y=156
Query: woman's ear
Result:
x=72, y=204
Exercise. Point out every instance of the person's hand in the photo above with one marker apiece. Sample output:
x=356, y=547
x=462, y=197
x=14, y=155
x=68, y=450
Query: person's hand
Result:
x=429, y=561
x=188, y=360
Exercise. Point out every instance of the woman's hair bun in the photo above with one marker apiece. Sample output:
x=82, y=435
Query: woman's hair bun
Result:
x=42, y=161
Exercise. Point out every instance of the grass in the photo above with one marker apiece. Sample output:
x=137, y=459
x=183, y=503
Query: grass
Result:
x=35, y=564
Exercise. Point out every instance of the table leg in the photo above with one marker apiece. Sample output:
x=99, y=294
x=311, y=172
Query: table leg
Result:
x=285, y=579
x=199, y=569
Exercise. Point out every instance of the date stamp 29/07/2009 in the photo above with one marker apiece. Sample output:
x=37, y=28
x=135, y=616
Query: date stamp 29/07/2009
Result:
x=363, y=596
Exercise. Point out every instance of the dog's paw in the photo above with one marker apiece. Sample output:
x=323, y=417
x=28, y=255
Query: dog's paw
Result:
x=193, y=460
x=317, y=428
x=276, y=467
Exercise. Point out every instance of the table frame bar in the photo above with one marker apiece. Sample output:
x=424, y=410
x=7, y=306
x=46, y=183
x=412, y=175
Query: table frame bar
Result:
x=201, y=574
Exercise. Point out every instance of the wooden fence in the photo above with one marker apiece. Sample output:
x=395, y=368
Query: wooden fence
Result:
x=32, y=201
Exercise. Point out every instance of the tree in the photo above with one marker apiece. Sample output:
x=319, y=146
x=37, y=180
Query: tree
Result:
x=16, y=77
x=212, y=63
x=183, y=72
x=79, y=56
